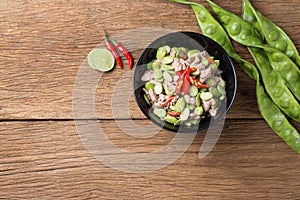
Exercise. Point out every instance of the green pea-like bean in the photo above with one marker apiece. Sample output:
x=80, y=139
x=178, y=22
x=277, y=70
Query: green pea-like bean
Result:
x=274, y=35
x=277, y=90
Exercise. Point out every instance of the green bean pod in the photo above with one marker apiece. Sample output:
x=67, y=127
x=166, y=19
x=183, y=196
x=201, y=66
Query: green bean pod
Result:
x=274, y=117
x=238, y=29
x=270, y=112
x=249, y=16
x=276, y=120
x=209, y=25
x=286, y=68
x=211, y=28
x=273, y=34
x=246, y=35
x=275, y=85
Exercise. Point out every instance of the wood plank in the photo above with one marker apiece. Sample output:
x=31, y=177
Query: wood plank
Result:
x=42, y=160
x=44, y=43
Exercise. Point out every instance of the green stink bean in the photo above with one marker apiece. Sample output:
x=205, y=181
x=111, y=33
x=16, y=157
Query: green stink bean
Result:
x=167, y=76
x=168, y=48
x=206, y=96
x=288, y=133
x=166, y=67
x=215, y=92
x=155, y=65
x=249, y=16
x=278, y=61
x=191, y=106
x=167, y=60
x=170, y=119
x=180, y=105
x=205, y=19
x=216, y=104
x=160, y=112
x=239, y=30
x=150, y=64
x=198, y=110
x=149, y=85
x=211, y=81
x=193, y=91
x=221, y=90
x=185, y=114
x=273, y=34
x=161, y=53
x=178, y=122
x=276, y=57
x=276, y=120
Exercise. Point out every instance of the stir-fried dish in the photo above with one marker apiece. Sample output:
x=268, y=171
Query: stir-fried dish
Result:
x=183, y=86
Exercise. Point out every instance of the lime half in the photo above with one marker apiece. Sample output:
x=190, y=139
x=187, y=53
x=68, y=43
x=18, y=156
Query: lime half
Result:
x=101, y=59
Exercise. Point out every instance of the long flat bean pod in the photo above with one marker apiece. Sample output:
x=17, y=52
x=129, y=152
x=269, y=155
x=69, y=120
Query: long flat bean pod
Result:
x=275, y=85
x=273, y=116
x=211, y=28
x=249, y=16
x=245, y=34
x=273, y=34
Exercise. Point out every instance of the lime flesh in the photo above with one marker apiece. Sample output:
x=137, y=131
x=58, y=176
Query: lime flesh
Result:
x=101, y=59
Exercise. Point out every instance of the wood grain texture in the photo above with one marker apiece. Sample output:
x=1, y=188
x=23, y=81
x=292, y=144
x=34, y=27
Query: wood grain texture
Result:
x=44, y=43
x=48, y=160
x=43, y=50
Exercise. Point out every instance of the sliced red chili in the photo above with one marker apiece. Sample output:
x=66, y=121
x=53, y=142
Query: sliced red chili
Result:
x=193, y=69
x=197, y=83
x=180, y=72
x=168, y=100
x=174, y=114
x=186, y=85
x=211, y=61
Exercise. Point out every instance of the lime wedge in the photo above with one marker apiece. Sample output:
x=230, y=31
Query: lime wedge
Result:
x=101, y=59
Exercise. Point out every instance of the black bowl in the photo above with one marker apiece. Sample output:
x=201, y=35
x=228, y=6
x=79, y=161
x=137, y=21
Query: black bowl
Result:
x=188, y=40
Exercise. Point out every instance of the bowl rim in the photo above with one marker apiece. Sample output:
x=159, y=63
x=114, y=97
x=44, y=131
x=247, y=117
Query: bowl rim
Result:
x=224, y=52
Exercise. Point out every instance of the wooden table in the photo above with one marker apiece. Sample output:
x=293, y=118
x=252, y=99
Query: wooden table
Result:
x=43, y=48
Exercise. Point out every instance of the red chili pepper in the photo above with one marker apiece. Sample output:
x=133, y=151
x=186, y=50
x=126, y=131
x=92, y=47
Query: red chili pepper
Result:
x=180, y=72
x=124, y=51
x=197, y=83
x=193, y=69
x=211, y=61
x=174, y=114
x=111, y=48
x=186, y=85
x=168, y=100
x=183, y=84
